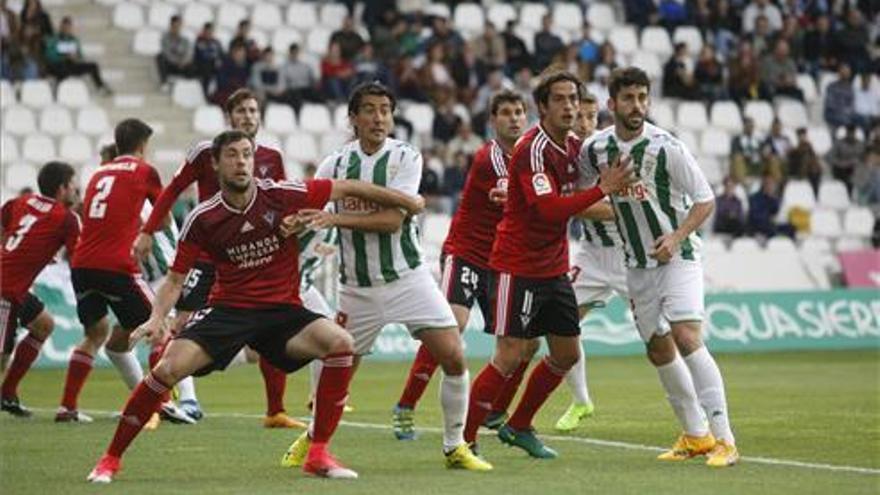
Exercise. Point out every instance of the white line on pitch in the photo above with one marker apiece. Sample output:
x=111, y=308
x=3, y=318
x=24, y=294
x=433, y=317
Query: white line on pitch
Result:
x=584, y=440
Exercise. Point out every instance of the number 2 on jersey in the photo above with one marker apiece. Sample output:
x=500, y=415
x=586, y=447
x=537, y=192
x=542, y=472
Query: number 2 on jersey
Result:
x=99, y=205
x=24, y=226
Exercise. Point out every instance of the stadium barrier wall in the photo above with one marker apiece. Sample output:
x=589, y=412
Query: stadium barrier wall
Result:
x=736, y=322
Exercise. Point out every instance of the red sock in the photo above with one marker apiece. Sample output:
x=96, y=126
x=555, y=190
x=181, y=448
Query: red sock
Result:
x=275, y=381
x=25, y=354
x=77, y=371
x=483, y=391
x=144, y=400
x=155, y=355
x=508, y=391
x=331, y=396
x=419, y=376
x=542, y=382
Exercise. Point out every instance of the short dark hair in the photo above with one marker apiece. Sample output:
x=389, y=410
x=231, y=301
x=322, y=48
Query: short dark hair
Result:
x=505, y=96
x=130, y=134
x=108, y=152
x=52, y=176
x=627, y=76
x=225, y=138
x=238, y=96
x=374, y=88
x=175, y=18
x=208, y=25
x=586, y=97
x=293, y=46
x=541, y=93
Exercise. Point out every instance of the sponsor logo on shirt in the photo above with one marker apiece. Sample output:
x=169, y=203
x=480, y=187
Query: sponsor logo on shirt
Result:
x=255, y=253
x=541, y=184
x=352, y=204
x=637, y=191
x=247, y=227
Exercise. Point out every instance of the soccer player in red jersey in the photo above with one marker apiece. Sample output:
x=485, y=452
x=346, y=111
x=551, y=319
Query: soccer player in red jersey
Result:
x=465, y=256
x=531, y=295
x=35, y=227
x=255, y=301
x=243, y=113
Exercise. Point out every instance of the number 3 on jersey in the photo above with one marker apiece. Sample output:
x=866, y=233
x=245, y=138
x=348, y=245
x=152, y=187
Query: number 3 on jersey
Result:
x=99, y=206
x=24, y=226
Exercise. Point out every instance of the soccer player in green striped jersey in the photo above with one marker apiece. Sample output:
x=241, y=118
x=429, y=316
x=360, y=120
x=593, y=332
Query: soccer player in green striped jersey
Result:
x=657, y=218
x=383, y=278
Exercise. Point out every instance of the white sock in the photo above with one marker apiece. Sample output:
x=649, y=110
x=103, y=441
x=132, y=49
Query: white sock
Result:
x=239, y=359
x=187, y=389
x=454, y=401
x=128, y=366
x=314, y=375
x=576, y=378
x=710, y=391
x=676, y=380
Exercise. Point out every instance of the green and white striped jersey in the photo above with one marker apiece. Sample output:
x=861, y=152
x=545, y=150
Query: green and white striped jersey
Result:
x=164, y=246
x=366, y=258
x=309, y=258
x=669, y=181
x=600, y=233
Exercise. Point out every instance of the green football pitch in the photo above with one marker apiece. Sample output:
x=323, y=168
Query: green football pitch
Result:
x=805, y=422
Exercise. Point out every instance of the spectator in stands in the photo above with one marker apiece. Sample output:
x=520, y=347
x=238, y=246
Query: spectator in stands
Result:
x=794, y=35
x=852, y=40
x=819, y=46
x=867, y=180
x=725, y=26
x=35, y=26
x=468, y=73
x=762, y=37
x=207, y=57
x=745, y=152
x=774, y=151
x=608, y=57
x=757, y=8
x=443, y=34
x=641, y=13
x=515, y=48
x=709, y=75
x=744, y=80
x=64, y=57
x=866, y=103
x=408, y=80
x=175, y=59
x=489, y=47
x=233, y=74
x=678, y=75
x=446, y=121
x=9, y=28
x=435, y=74
x=803, y=162
x=384, y=33
x=522, y=83
x=779, y=72
x=673, y=13
x=465, y=141
x=588, y=48
x=243, y=37
x=495, y=82
x=17, y=61
x=336, y=74
x=350, y=42
x=547, y=44
x=846, y=154
x=763, y=208
x=266, y=79
x=840, y=100
x=729, y=215
x=599, y=86
x=368, y=68
x=429, y=187
x=403, y=129
x=453, y=179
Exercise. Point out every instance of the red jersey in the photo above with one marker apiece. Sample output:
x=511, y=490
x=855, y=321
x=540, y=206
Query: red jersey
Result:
x=34, y=229
x=472, y=231
x=526, y=244
x=112, y=214
x=199, y=168
x=255, y=265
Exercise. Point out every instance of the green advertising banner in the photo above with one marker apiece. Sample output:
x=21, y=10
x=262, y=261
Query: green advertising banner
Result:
x=735, y=322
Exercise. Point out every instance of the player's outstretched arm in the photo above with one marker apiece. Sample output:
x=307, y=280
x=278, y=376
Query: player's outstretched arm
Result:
x=385, y=221
x=383, y=196
x=599, y=211
x=166, y=296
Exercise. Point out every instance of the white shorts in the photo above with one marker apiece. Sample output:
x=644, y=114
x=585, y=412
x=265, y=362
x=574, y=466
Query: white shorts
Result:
x=314, y=301
x=414, y=300
x=598, y=273
x=667, y=294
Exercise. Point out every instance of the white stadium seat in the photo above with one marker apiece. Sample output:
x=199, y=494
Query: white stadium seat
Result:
x=689, y=35
x=806, y=84
x=19, y=176
x=208, y=120
x=797, y=193
x=527, y=34
x=160, y=14
x=438, y=9
x=261, y=39
x=128, y=16
x=301, y=147
x=282, y=38
x=147, y=42
x=826, y=78
x=820, y=137
x=624, y=39
x=435, y=228
x=7, y=94
x=302, y=15
x=744, y=245
x=266, y=16
x=56, y=121
x=688, y=139
x=229, y=15
x=500, y=13
x=332, y=14
x=858, y=221
x=76, y=148
x=280, y=119
x=781, y=244
x=845, y=244
x=8, y=149
x=825, y=223
x=318, y=40
x=195, y=15
x=340, y=118
x=648, y=62
x=73, y=93
x=568, y=17
x=692, y=115
x=715, y=142
x=92, y=121
x=187, y=93
x=531, y=13
x=422, y=117
x=725, y=115
x=601, y=16
x=36, y=93
x=761, y=112
x=468, y=18
x=315, y=118
x=38, y=148
x=332, y=141
x=19, y=120
x=712, y=169
x=815, y=245
x=714, y=245
x=792, y=114
x=662, y=113
x=655, y=39
x=833, y=195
